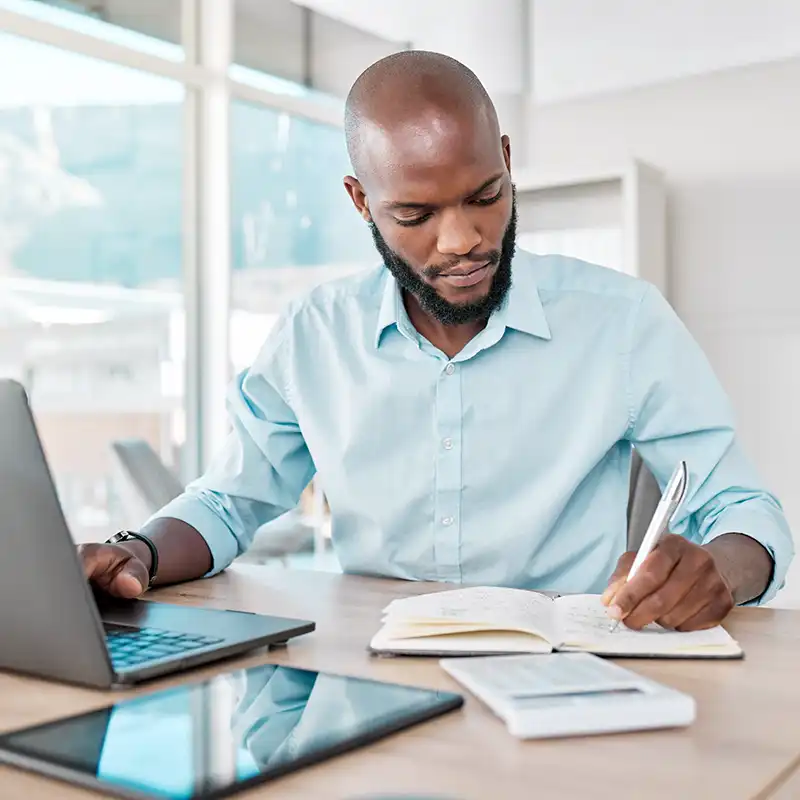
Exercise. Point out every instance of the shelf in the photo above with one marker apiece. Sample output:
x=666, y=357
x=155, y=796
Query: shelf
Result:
x=612, y=216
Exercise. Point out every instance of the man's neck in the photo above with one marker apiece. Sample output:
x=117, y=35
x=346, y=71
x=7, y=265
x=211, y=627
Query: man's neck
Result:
x=450, y=339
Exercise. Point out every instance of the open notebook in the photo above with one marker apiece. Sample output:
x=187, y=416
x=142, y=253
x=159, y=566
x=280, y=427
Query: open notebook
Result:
x=495, y=620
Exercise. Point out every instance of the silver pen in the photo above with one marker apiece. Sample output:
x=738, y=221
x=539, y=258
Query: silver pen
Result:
x=671, y=500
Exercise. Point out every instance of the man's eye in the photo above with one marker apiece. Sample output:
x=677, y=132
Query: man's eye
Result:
x=409, y=223
x=487, y=201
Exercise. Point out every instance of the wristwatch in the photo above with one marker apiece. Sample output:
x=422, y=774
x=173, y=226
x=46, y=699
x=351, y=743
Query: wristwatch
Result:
x=126, y=536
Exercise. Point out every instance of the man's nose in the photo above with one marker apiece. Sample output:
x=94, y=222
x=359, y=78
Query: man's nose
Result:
x=457, y=234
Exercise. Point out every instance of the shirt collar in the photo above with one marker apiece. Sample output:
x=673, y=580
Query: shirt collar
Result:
x=387, y=315
x=522, y=309
x=392, y=310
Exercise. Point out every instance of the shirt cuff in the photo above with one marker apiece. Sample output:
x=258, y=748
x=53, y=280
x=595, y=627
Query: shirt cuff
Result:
x=771, y=531
x=191, y=509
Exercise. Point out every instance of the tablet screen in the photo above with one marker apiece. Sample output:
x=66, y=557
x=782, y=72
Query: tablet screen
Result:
x=236, y=728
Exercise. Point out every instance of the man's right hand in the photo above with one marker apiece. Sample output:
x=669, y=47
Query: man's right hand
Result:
x=114, y=569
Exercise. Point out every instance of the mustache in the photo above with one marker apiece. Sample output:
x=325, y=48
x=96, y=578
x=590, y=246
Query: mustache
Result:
x=435, y=270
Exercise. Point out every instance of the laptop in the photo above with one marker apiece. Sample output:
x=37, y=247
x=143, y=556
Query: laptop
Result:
x=55, y=625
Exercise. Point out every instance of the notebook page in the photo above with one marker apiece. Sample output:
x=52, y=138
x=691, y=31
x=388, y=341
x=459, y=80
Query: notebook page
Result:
x=491, y=606
x=462, y=643
x=400, y=629
x=584, y=623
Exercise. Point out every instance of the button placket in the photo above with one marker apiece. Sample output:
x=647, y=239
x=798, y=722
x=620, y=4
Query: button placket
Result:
x=447, y=519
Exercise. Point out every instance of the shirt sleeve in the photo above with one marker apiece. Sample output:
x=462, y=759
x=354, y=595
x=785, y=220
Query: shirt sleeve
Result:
x=263, y=466
x=678, y=410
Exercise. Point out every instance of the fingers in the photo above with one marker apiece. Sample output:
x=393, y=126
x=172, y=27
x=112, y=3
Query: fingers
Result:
x=668, y=601
x=707, y=601
x=698, y=596
x=649, y=578
x=719, y=601
x=617, y=580
x=128, y=583
x=96, y=560
x=610, y=593
x=114, y=569
x=678, y=585
x=707, y=617
x=623, y=566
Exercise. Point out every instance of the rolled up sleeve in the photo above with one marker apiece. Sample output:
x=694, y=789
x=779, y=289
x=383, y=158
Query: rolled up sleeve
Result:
x=262, y=468
x=762, y=520
x=678, y=410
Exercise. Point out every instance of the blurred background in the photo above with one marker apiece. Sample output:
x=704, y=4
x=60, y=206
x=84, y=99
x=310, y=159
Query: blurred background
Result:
x=170, y=177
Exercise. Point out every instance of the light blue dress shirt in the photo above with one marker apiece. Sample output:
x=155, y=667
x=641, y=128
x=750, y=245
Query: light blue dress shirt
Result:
x=506, y=465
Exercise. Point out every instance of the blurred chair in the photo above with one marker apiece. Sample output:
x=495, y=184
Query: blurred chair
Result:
x=148, y=484
x=151, y=479
x=643, y=497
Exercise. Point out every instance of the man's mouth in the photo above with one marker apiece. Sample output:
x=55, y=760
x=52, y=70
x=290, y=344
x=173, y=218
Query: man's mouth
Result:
x=465, y=278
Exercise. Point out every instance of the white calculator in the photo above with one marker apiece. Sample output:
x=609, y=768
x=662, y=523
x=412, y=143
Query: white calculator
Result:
x=569, y=694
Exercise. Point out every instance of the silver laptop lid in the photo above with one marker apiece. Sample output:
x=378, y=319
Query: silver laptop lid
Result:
x=49, y=623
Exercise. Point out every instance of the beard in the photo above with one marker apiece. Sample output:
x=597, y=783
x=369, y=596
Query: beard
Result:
x=431, y=301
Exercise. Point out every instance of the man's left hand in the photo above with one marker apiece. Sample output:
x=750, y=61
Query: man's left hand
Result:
x=679, y=585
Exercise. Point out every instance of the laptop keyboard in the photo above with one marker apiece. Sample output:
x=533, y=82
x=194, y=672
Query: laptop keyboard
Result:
x=130, y=647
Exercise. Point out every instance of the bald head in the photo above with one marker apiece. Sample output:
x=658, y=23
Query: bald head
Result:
x=414, y=93
x=432, y=179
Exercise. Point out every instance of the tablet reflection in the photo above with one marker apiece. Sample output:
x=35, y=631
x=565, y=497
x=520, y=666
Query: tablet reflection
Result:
x=236, y=726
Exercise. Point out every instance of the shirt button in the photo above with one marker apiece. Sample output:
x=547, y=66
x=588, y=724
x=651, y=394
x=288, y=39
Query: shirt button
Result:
x=447, y=443
x=447, y=521
x=450, y=369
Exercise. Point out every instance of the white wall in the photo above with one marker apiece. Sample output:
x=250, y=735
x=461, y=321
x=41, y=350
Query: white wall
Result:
x=584, y=47
x=729, y=144
x=468, y=30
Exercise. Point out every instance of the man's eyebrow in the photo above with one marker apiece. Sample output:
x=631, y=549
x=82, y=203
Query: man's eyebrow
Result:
x=485, y=185
x=411, y=206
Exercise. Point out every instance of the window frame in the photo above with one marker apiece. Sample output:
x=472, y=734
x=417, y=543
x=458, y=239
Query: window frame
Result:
x=209, y=90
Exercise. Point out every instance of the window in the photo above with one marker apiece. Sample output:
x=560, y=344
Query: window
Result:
x=149, y=26
x=95, y=131
x=91, y=305
x=293, y=228
x=293, y=223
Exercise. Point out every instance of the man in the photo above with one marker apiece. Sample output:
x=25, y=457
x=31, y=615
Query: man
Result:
x=471, y=410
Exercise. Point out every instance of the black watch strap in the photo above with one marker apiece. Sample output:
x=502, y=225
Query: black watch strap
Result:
x=123, y=536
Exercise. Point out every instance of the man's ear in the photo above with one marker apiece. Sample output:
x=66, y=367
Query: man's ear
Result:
x=358, y=196
x=506, y=143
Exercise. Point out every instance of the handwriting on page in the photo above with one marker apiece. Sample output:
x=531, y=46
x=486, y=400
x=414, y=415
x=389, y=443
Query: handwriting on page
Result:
x=491, y=605
x=467, y=603
x=583, y=618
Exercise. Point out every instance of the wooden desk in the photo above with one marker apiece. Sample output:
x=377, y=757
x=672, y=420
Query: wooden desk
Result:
x=743, y=744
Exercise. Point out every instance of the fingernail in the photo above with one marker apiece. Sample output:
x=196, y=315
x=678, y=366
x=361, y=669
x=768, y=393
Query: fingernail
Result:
x=615, y=612
x=607, y=596
x=132, y=582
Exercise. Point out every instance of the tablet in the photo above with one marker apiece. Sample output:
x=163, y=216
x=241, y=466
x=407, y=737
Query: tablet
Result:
x=212, y=738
